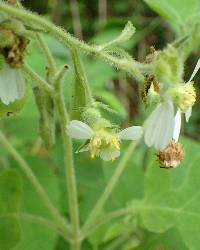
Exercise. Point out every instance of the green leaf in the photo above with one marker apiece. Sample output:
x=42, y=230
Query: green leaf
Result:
x=175, y=11
x=36, y=236
x=164, y=207
x=10, y=193
x=169, y=240
x=9, y=232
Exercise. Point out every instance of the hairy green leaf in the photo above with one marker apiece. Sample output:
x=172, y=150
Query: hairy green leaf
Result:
x=164, y=206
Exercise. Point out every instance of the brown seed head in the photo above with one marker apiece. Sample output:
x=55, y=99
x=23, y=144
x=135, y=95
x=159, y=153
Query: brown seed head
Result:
x=171, y=156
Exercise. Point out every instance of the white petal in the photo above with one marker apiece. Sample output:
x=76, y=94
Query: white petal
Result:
x=107, y=155
x=12, y=84
x=79, y=130
x=188, y=114
x=159, y=126
x=131, y=133
x=177, y=125
x=197, y=67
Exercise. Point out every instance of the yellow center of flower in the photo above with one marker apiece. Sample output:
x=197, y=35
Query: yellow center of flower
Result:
x=184, y=96
x=104, y=142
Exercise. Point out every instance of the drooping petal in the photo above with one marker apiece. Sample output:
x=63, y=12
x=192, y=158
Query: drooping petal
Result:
x=188, y=114
x=159, y=126
x=131, y=133
x=108, y=155
x=79, y=130
x=197, y=67
x=177, y=125
x=12, y=84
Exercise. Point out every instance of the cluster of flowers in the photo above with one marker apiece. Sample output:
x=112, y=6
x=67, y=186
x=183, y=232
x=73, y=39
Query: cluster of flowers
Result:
x=161, y=129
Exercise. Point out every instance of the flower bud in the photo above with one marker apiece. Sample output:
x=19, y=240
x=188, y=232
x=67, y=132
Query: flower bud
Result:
x=168, y=66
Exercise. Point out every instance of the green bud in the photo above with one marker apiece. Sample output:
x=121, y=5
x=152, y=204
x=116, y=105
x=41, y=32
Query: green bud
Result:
x=91, y=116
x=169, y=66
x=47, y=117
x=153, y=96
x=7, y=38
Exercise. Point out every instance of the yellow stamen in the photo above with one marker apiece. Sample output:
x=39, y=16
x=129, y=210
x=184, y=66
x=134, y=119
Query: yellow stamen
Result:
x=112, y=158
x=92, y=156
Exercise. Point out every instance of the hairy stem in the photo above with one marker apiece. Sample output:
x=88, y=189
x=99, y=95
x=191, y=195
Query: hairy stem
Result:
x=130, y=66
x=109, y=188
x=47, y=53
x=36, y=184
x=69, y=167
x=39, y=81
x=108, y=217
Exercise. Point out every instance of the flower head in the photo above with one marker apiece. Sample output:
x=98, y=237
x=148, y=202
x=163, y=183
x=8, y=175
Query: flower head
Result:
x=103, y=142
x=184, y=96
x=164, y=123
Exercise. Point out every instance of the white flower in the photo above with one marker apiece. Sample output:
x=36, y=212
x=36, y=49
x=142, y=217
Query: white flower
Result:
x=12, y=84
x=102, y=142
x=164, y=123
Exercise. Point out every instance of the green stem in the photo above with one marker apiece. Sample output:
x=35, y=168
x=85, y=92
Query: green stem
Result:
x=109, y=188
x=69, y=167
x=130, y=66
x=37, y=79
x=108, y=217
x=36, y=184
x=47, y=52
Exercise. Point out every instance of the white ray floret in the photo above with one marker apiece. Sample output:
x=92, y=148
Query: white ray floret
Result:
x=177, y=126
x=12, y=84
x=188, y=113
x=159, y=126
x=79, y=130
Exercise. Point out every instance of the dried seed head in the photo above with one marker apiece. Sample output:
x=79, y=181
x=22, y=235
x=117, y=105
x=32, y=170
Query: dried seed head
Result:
x=171, y=156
